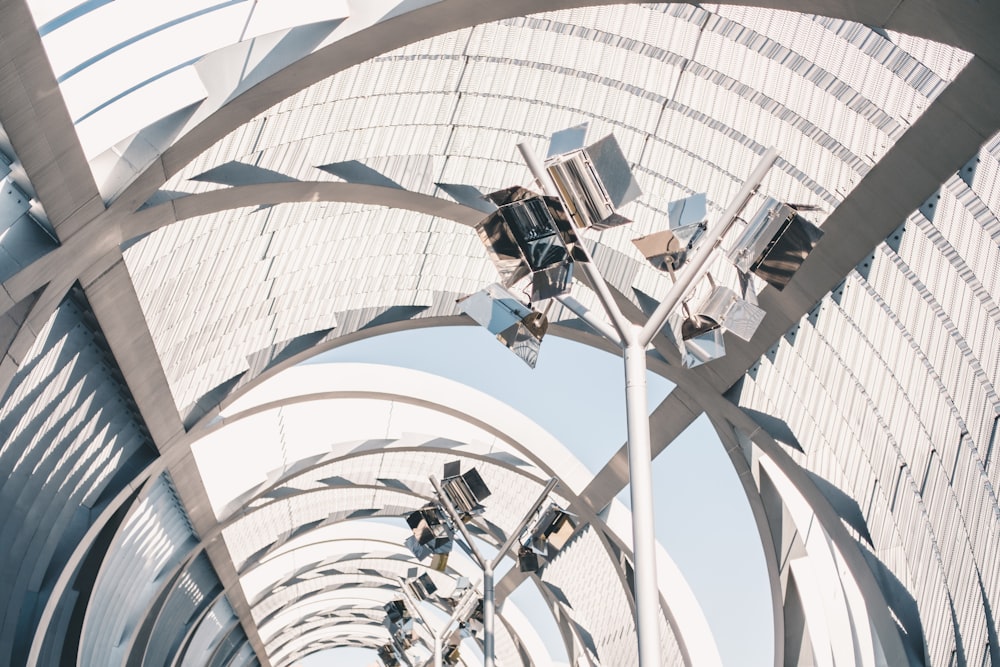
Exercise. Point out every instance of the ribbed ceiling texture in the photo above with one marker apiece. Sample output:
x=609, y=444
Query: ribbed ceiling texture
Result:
x=199, y=197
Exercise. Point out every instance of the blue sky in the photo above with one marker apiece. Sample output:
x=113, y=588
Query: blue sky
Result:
x=577, y=394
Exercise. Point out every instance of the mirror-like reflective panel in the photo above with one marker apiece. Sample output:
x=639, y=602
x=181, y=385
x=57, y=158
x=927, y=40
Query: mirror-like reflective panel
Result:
x=593, y=182
x=515, y=325
x=552, y=282
x=613, y=171
x=743, y=318
x=688, y=211
x=669, y=250
x=775, y=243
x=786, y=254
x=570, y=139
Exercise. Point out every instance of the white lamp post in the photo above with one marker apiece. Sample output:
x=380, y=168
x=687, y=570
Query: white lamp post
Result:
x=633, y=338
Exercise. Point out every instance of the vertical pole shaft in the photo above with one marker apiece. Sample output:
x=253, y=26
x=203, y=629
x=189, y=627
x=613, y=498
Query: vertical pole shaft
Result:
x=537, y=170
x=438, y=658
x=646, y=585
x=489, y=614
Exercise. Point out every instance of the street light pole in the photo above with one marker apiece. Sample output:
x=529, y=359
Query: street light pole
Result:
x=489, y=567
x=437, y=636
x=633, y=339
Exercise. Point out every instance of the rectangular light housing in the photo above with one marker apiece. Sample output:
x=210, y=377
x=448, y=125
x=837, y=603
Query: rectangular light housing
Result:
x=594, y=182
x=775, y=243
x=515, y=325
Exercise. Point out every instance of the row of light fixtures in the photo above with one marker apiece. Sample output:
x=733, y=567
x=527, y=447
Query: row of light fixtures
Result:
x=433, y=536
x=532, y=240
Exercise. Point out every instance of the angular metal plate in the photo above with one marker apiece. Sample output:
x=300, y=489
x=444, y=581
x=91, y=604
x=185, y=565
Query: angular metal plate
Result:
x=743, y=319
x=785, y=255
x=614, y=171
x=687, y=211
x=570, y=139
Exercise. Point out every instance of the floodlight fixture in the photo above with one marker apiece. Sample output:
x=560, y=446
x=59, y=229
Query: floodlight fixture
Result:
x=473, y=624
x=557, y=526
x=466, y=491
x=430, y=529
x=723, y=308
x=700, y=345
x=396, y=612
x=451, y=655
x=593, y=181
x=775, y=243
x=669, y=250
x=516, y=325
x=550, y=534
x=530, y=235
x=387, y=654
x=421, y=586
x=527, y=559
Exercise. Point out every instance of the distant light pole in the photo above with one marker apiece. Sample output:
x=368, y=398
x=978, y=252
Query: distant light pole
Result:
x=489, y=566
x=437, y=635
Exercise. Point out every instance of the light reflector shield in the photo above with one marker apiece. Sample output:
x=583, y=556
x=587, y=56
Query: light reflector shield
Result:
x=593, y=182
x=687, y=211
x=775, y=243
x=669, y=249
x=552, y=282
x=743, y=318
x=570, y=139
x=784, y=257
x=515, y=325
x=613, y=170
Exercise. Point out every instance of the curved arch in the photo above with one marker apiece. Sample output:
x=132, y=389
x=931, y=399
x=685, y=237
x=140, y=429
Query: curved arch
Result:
x=84, y=255
x=313, y=382
x=130, y=495
x=397, y=29
x=188, y=206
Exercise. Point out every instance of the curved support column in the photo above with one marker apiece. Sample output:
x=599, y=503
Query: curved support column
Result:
x=770, y=549
x=110, y=518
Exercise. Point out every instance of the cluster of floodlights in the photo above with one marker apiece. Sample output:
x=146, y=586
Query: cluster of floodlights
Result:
x=433, y=534
x=470, y=625
x=399, y=623
x=532, y=240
